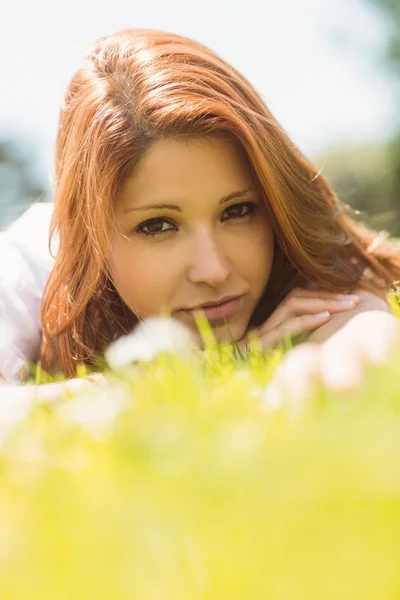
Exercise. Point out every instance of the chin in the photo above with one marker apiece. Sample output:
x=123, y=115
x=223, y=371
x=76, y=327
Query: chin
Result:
x=222, y=334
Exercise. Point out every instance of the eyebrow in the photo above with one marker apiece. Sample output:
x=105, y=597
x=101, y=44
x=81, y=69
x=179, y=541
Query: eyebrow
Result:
x=163, y=205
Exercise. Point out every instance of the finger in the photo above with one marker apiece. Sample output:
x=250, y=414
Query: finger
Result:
x=319, y=292
x=296, y=306
x=321, y=295
x=299, y=306
x=306, y=306
x=293, y=327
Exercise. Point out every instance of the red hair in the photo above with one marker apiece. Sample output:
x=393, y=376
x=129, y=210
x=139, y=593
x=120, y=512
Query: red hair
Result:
x=134, y=88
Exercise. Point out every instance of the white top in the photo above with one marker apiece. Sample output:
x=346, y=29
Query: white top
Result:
x=25, y=265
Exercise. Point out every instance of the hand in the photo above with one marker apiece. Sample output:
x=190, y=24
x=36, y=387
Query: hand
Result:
x=301, y=311
x=339, y=362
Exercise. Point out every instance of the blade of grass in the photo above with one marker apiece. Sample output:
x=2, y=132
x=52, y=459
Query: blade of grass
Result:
x=236, y=349
x=205, y=330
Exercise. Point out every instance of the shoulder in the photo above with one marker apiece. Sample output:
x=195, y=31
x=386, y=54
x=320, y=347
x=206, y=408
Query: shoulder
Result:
x=368, y=302
x=371, y=301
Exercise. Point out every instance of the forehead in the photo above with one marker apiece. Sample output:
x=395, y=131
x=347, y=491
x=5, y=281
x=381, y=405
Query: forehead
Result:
x=181, y=169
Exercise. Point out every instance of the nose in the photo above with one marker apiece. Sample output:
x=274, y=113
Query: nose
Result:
x=207, y=262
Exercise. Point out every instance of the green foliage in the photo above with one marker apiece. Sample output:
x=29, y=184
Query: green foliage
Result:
x=367, y=180
x=181, y=483
x=390, y=12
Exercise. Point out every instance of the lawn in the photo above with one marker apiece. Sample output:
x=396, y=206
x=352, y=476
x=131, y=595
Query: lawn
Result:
x=182, y=482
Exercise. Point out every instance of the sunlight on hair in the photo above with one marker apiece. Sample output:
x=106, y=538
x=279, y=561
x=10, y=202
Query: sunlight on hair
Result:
x=149, y=339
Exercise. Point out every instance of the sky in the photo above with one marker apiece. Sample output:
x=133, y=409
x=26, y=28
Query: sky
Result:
x=315, y=62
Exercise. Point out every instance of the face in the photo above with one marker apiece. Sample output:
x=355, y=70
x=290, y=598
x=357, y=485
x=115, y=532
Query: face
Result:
x=192, y=229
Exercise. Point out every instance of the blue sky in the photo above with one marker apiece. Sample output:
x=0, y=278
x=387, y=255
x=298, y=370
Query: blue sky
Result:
x=314, y=62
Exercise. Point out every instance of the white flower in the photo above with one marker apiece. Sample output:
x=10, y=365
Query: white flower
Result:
x=293, y=380
x=15, y=406
x=96, y=410
x=150, y=338
x=367, y=339
x=339, y=362
x=6, y=334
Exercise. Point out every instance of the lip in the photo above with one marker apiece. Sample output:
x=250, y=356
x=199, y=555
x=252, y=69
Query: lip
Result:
x=215, y=303
x=218, y=311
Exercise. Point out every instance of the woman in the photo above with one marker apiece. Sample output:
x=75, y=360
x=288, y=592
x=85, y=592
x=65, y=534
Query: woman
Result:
x=175, y=189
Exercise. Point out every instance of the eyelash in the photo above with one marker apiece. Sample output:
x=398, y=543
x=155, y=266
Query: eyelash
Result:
x=140, y=229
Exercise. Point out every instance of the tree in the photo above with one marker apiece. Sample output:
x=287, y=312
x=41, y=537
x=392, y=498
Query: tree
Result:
x=368, y=177
x=389, y=10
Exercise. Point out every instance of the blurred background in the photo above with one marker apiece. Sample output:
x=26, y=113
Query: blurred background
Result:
x=329, y=70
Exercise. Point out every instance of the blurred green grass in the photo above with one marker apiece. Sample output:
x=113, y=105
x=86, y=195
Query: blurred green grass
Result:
x=182, y=484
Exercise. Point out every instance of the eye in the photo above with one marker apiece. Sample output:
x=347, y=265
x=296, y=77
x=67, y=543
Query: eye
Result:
x=240, y=211
x=154, y=227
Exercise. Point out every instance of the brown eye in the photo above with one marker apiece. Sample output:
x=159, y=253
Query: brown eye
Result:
x=239, y=211
x=154, y=227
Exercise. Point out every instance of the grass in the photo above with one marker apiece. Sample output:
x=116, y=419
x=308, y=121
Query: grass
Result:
x=181, y=484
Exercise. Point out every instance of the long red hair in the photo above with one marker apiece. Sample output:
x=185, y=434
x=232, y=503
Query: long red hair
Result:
x=136, y=87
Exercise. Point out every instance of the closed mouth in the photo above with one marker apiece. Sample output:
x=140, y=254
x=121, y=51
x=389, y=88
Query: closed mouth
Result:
x=213, y=304
x=217, y=313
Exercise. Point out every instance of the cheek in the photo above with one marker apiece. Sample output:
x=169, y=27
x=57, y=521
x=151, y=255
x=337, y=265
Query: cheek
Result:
x=145, y=280
x=257, y=254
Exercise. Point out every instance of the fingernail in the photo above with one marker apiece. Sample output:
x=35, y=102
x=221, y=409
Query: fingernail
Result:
x=347, y=297
x=321, y=315
x=346, y=302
